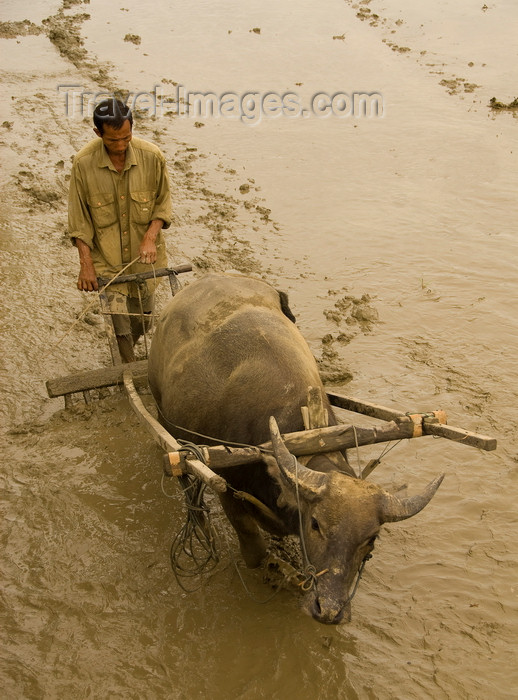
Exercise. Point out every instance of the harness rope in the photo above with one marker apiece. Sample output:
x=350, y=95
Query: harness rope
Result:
x=88, y=307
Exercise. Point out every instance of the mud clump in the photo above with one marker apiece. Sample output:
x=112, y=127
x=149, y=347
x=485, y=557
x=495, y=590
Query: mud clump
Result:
x=133, y=39
x=351, y=315
x=455, y=85
x=331, y=374
x=330, y=366
x=497, y=105
x=366, y=15
x=353, y=311
x=64, y=33
x=11, y=30
x=67, y=4
x=39, y=191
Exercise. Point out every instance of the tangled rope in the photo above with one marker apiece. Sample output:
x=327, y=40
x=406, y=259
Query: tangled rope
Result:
x=193, y=549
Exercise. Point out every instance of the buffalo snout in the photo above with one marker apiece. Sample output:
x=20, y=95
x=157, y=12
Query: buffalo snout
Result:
x=328, y=611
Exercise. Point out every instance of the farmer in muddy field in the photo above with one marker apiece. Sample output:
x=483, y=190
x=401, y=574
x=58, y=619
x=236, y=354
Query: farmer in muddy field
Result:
x=119, y=202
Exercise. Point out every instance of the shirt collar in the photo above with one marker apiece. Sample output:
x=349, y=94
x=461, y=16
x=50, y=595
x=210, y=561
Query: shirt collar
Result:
x=105, y=162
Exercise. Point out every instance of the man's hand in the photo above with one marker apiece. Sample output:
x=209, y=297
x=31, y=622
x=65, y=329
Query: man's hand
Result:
x=87, y=280
x=147, y=248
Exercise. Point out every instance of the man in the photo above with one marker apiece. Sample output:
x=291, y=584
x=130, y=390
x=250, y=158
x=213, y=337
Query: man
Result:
x=119, y=202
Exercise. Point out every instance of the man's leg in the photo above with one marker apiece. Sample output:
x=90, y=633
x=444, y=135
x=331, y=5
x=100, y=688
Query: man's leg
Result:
x=119, y=306
x=126, y=351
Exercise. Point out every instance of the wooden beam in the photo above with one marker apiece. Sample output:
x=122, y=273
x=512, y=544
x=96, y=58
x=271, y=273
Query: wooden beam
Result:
x=315, y=415
x=429, y=425
x=483, y=442
x=308, y=442
x=162, y=272
x=109, y=327
x=94, y=379
x=373, y=410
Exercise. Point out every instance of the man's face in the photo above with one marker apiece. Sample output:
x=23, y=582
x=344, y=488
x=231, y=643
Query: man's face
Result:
x=116, y=141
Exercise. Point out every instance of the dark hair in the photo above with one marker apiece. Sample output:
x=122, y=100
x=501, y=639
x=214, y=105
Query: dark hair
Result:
x=113, y=113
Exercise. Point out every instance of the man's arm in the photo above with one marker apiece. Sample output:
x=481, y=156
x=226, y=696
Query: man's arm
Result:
x=81, y=231
x=162, y=204
x=87, y=280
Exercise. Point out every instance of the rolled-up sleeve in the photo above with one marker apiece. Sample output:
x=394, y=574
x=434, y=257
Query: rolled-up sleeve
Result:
x=162, y=207
x=79, y=220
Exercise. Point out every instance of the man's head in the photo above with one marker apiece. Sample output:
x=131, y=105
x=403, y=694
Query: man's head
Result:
x=113, y=124
x=111, y=112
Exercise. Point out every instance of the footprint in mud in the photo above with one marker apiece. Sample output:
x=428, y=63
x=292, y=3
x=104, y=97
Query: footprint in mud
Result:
x=350, y=315
x=357, y=313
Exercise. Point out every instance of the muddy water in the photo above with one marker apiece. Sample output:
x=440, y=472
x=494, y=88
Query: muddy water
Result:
x=395, y=238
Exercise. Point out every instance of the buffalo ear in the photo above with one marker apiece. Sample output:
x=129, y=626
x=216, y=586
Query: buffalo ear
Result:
x=309, y=484
x=285, y=306
x=395, y=509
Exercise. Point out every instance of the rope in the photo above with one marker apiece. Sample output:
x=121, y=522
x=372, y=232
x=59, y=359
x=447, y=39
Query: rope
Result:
x=218, y=441
x=357, y=452
x=142, y=319
x=388, y=448
x=197, y=533
x=358, y=578
x=193, y=550
x=88, y=307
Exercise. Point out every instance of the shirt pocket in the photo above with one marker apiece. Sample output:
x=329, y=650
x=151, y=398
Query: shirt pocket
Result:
x=102, y=210
x=142, y=206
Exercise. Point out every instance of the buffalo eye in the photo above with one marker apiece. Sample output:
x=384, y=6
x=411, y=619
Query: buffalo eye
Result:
x=314, y=525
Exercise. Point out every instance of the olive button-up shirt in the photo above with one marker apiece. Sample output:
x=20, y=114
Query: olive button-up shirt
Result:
x=111, y=211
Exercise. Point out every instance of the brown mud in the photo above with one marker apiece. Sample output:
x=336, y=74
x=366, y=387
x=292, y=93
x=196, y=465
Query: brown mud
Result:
x=414, y=310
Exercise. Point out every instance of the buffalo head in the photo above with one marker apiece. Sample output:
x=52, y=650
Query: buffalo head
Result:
x=340, y=518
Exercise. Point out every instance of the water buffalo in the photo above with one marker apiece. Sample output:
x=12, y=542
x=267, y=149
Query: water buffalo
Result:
x=225, y=357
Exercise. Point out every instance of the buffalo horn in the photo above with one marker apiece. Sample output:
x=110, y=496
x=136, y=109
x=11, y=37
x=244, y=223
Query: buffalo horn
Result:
x=310, y=483
x=395, y=508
